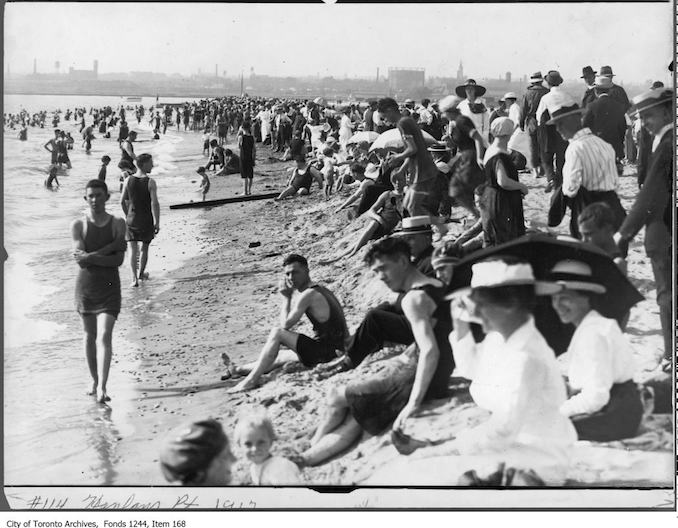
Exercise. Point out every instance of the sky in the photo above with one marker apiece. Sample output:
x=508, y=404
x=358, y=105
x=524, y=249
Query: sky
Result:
x=341, y=40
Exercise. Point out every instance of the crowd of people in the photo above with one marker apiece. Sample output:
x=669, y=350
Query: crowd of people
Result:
x=415, y=166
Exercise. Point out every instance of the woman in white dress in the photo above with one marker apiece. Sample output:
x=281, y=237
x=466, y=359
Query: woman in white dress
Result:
x=345, y=127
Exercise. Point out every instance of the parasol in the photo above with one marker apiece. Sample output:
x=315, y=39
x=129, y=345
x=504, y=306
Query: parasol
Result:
x=392, y=139
x=367, y=136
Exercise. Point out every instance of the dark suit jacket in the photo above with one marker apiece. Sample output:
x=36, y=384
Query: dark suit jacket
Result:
x=589, y=97
x=530, y=102
x=652, y=207
x=605, y=118
x=619, y=94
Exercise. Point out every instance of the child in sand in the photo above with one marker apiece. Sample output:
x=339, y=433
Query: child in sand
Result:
x=254, y=433
x=328, y=171
x=204, y=182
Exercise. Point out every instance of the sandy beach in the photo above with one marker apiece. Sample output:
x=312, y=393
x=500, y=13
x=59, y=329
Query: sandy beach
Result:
x=225, y=300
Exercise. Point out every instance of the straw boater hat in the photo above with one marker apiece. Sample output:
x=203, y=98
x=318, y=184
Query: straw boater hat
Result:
x=650, y=99
x=461, y=90
x=438, y=147
x=586, y=71
x=575, y=275
x=415, y=225
x=562, y=105
x=537, y=77
x=510, y=95
x=497, y=273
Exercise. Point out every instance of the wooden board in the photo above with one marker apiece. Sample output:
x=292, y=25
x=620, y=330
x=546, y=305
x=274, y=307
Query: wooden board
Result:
x=223, y=201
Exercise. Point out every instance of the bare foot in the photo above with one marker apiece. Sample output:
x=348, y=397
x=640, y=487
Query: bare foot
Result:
x=144, y=276
x=243, y=386
x=93, y=390
x=135, y=283
x=103, y=397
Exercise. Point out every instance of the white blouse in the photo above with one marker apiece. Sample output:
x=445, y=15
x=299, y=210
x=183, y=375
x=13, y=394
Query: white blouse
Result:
x=598, y=356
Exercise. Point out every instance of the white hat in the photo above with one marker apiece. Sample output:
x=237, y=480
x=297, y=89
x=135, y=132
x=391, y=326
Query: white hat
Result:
x=561, y=105
x=497, y=273
x=575, y=275
x=510, y=95
x=602, y=81
x=449, y=102
x=415, y=225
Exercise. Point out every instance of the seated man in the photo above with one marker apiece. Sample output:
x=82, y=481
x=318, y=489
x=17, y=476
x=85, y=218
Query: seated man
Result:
x=407, y=380
x=323, y=310
x=301, y=179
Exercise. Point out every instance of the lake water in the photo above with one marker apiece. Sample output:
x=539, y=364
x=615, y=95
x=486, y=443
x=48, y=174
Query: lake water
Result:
x=53, y=434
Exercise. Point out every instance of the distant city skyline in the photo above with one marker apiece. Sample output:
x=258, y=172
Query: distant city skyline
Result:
x=340, y=40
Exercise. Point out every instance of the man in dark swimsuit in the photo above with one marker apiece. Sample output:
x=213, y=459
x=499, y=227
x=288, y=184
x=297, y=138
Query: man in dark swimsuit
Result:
x=139, y=201
x=323, y=310
x=394, y=393
x=99, y=249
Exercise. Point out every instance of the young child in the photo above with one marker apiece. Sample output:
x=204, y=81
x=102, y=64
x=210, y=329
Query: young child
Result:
x=254, y=434
x=105, y=160
x=596, y=226
x=206, y=137
x=204, y=183
x=328, y=170
x=52, y=177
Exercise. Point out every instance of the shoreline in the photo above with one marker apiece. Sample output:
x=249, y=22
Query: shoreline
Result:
x=225, y=300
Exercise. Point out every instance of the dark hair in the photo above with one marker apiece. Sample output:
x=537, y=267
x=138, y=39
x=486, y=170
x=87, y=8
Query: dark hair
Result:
x=388, y=247
x=228, y=152
x=386, y=103
x=357, y=168
x=599, y=213
x=214, y=143
x=143, y=158
x=246, y=126
x=97, y=184
x=105, y=158
x=293, y=257
x=299, y=157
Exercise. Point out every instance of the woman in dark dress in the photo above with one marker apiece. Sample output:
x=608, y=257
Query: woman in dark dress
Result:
x=247, y=155
x=503, y=196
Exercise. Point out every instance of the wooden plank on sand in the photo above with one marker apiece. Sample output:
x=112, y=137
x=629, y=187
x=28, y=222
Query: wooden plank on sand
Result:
x=223, y=201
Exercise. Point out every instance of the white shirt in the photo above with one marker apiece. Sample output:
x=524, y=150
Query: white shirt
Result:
x=481, y=120
x=275, y=471
x=514, y=113
x=598, y=356
x=546, y=103
x=519, y=381
x=658, y=137
x=589, y=162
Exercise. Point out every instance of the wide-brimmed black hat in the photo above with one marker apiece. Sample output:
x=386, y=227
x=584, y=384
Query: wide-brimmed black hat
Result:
x=461, y=90
x=586, y=71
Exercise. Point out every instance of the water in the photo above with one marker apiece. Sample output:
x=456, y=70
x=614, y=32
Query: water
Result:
x=53, y=433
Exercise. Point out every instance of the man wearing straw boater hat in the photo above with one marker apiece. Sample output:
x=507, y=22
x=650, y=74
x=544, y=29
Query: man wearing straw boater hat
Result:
x=419, y=235
x=552, y=144
x=652, y=207
x=528, y=119
x=590, y=172
x=606, y=117
x=589, y=76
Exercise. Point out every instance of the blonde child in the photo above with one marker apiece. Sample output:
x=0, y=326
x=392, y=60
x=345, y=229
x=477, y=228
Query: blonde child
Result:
x=328, y=171
x=255, y=435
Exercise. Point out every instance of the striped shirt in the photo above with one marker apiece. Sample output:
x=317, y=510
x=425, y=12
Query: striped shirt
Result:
x=589, y=163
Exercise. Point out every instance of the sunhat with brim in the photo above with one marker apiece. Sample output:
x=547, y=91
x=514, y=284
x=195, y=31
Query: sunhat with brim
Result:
x=449, y=102
x=461, y=90
x=497, y=273
x=574, y=275
x=439, y=262
x=563, y=111
x=510, y=95
x=190, y=449
x=536, y=77
x=650, y=99
x=415, y=225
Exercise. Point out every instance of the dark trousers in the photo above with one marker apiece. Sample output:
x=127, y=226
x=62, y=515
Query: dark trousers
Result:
x=661, y=268
x=384, y=324
x=554, y=174
x=619, y=419
x=535, y=155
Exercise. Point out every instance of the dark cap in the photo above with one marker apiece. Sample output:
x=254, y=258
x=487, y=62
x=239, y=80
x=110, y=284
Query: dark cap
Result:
x=191, y=449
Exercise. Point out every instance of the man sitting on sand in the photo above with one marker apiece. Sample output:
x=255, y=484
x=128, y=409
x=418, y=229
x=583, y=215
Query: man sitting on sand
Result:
x=323, y=310
x=397, y=391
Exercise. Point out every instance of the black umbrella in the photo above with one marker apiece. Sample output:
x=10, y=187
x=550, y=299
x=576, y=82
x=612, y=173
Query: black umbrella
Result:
x=543, y=252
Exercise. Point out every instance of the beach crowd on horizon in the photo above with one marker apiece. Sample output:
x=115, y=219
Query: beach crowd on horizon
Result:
x=535, y=322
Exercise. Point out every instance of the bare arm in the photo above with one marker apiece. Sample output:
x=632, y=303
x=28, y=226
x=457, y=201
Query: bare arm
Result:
x=410, y=150
x=507, y=183
x=290, y=314
x=317, y=176
x=380, y=201
x=124, y=197
x=418, y=308
x=480, y=145
x=356, y=195
x=155, y=205
x=111, y=256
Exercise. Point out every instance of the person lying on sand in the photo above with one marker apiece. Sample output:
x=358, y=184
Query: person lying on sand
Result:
x=395, y=393
x=301, y=180
x=323, y=310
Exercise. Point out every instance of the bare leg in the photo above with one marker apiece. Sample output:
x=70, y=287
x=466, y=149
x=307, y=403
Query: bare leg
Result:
x=284, y=356
x=290, y=191
x=133, y=261
x=365, y=237
x=334, y=415
x=89, y=324
x=333, y=443
x=144, y=260
x=105, y=324
x=266, y=361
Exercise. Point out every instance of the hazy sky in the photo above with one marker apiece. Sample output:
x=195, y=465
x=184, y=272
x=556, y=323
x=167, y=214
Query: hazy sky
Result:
x=354, y=40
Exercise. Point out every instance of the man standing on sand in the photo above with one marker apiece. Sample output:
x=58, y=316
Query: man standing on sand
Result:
x=139, y=201
x=528, y=120
x=99, y=249
x=323, y=310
